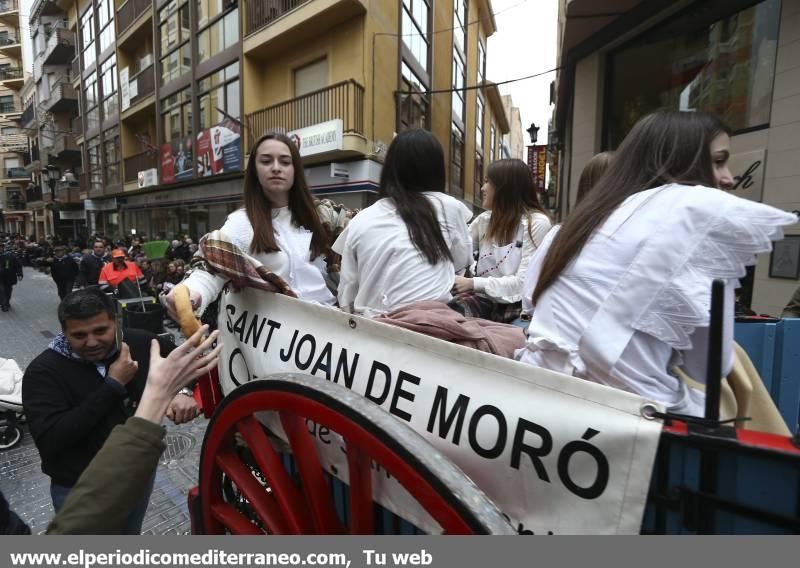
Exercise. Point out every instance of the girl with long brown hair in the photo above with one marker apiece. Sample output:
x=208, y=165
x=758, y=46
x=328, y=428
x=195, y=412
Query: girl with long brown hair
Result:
x=621, y=290
x=504, y=238
x=279, y=226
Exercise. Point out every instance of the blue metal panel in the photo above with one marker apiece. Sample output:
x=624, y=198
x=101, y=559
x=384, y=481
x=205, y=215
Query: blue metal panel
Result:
x=787, y=376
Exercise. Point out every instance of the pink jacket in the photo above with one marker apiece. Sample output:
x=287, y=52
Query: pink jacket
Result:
x=437, y=320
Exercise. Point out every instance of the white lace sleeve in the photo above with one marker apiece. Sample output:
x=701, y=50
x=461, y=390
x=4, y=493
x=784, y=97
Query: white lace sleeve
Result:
x=703, y=234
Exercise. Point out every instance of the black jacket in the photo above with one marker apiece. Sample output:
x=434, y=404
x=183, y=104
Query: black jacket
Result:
x=90, y=269
x=64, y=269
x=10, y=268
x=71, y=409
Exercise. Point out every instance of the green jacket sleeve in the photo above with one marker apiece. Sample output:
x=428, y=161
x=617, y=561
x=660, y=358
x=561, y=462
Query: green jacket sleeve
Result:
x=110, y=487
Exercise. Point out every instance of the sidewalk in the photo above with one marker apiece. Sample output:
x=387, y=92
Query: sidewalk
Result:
x=25, y=331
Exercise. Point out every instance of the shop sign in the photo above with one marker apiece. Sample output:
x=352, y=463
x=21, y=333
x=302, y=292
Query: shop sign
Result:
x=176, y=160
x=537, y=162
x=124, y=88
x=78, y=215
x=748, y=174
x=323, y=137
x=146, y=178
x=219, y=149
x=100, y=204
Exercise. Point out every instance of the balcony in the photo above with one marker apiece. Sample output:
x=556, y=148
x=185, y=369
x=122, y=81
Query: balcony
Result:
x=144, y=85
x=129, y=12
x=274, y=25
x=15, y=205
x=28, y=115
x=343, y=101
x=67, y=192
x=60, y=47
x=13, y=143
x=12, y=78
x=139, y=163
x=63, y=98
x=31, y=162
x=9, y=12
x=16, y=173
x=33, y=193
x=59, y=145
x=11, y=46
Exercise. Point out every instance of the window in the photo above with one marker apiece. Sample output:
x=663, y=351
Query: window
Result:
x=108, y=80
x=702, y=59
x=92, y=110
x=476, y=192
x=481, y=61
x=111, y=155
x=176, y=52
x=219, y=35
x=492, y=142
x=95, y=171
x=105, y=23
x=87, y=38
x=311, y=77
x=479, y=117
x=177, y=116
x=456, y=161
x=459, y=61
x=219, y=91
x=414, y=108
x=414, y=29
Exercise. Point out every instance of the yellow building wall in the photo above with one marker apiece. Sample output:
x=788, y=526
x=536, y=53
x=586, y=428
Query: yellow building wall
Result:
x=441, y=105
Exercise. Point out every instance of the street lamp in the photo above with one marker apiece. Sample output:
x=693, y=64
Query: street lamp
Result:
x=533, y=132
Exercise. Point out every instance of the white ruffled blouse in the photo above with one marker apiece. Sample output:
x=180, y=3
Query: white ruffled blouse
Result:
x=636, y=301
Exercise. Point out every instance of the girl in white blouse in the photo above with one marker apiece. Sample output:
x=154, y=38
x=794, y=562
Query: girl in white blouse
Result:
x=505, y=237
x=279, y=226
x=407, y=246
x=622, y=289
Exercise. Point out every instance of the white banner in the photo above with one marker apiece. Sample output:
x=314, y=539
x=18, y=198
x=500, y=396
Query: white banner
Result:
x=124, y=88
x=323, y=137
x=557, y=454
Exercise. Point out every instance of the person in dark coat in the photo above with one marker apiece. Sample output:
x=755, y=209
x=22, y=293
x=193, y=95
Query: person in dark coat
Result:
x=10, y=274
x=92, y=265
x=64, y=270
x=82, y=386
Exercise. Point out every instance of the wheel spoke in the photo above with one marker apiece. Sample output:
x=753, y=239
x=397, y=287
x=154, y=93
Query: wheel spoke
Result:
x=234, y=520
x=361, y=506
x=284, y=490
x=315, y=486
x=263, y=503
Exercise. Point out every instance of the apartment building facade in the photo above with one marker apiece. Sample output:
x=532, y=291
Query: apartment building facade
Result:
x=737, y=58
x=13, y=141
x=172, y=94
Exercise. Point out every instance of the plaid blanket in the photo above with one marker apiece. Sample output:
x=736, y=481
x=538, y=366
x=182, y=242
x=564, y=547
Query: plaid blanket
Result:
x=219, y=256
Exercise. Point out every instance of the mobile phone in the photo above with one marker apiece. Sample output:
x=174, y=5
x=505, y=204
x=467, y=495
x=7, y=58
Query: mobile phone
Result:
x=118, y=332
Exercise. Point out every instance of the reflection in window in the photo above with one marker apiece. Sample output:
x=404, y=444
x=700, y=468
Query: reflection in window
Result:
x=456, y=161
x=111, y=155
x=219, y=35
x=176, y=118
x=176, y=53
x=414, y=108
x=108, y=80
x=414, y=29
x=696, y=62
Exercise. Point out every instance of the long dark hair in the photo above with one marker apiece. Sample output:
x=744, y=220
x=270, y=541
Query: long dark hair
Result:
x=514, y=196
x=415, y=163
x=592, y=172
x=301, y=204
x=663, y=147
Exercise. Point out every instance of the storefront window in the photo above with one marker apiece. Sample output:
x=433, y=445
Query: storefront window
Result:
x=701, y=59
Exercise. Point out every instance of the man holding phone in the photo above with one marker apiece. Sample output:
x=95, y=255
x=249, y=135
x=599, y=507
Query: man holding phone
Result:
x=83, y=385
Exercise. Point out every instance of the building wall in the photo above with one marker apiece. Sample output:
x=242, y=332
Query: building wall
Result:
x=781, y=142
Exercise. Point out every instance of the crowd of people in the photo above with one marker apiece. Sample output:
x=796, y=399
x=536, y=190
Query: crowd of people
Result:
x=617, y=294
x=98, y=261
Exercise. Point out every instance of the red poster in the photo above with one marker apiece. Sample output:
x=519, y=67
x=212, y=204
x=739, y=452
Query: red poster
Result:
x=167, y=164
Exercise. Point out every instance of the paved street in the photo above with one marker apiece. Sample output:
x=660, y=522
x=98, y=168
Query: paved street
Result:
x=24, y=332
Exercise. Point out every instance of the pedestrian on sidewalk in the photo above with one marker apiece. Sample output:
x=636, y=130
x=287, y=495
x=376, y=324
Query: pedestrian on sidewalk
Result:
x=82, y=386
x=92, y=265
x=64, y=270
x=10, y=274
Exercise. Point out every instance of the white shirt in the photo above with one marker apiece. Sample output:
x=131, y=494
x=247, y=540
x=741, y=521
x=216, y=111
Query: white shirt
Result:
x=506, y=288
x=635, y=301
x=292, y=262
x=382, y=270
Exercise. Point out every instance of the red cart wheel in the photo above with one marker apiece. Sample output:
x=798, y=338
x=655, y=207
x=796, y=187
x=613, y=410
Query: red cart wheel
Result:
x=283, y=506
